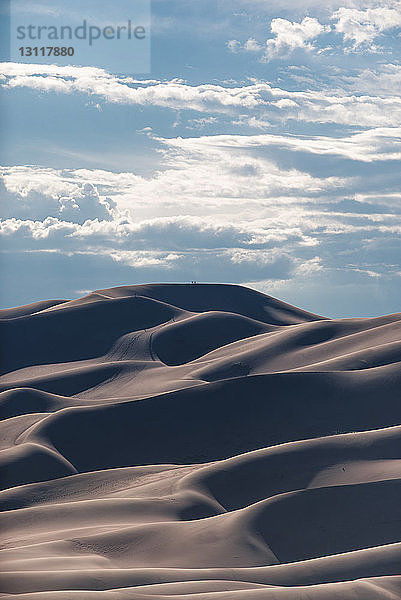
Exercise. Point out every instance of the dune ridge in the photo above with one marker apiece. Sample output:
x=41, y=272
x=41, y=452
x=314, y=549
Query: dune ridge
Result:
x=198, y=441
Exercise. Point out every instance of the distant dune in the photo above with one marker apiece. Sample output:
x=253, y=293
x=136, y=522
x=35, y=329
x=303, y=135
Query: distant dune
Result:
x=198, y=442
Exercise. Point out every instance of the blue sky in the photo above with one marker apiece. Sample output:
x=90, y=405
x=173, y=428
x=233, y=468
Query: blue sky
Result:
x=262, y=148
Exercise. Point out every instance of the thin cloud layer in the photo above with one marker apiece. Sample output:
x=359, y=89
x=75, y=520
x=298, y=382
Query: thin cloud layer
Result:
x=261, y=99
x=362, y=27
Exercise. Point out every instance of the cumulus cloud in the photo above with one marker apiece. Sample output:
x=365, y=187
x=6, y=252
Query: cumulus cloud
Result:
x=361, y=27
x=289, y=36
x=359, y=24
x=37, y=193
x=252, y=45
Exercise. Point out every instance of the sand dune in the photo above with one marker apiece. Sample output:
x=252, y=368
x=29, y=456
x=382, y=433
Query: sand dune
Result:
x=198, y=441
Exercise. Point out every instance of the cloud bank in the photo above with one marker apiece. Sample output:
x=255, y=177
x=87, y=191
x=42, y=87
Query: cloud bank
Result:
x=261, y=99
x=241, y=208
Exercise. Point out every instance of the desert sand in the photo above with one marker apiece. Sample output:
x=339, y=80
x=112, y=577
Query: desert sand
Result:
x=198, y=442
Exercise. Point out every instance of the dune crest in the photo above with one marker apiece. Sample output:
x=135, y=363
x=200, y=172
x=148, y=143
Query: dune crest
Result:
x=198, y=441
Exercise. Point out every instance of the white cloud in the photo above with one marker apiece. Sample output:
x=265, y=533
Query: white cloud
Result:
x=202, y=122
x=285, y=103
x=265, y=102
x=359, y=23
x=273, y=6
x=207, y=184
x=244, y=256
x=386, y=79
x=254, y=122
x=208, y=175
x=252, y=45
x=145, y=259
x=309, y=266
x=124, y=90
x=200, y=175
x=34, y=192
x=247, y=206
x=368, y=146
x=234, y=45
x=289, y=36
x=361, y=27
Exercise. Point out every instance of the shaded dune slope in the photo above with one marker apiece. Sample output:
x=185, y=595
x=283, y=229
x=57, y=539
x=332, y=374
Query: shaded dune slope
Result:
x=198, y=441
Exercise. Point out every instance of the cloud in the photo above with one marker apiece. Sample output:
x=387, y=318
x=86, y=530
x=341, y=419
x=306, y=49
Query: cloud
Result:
x=362, y=27
x=265, y=102
x=296, y=204
x=252, y=45
x=289, y=36
x=351, y=253
x=337, y=293
x=214, y=175
x=359, y=24
x=37, y=193
x=178, y=234
x=233, y=192
x=307, y=267
x=378, y=144
x=173, y=94
x=234, y=45
x=236, y=208
x=386, y=78
x=289, y=5
x=201, y=122
x=145, y=259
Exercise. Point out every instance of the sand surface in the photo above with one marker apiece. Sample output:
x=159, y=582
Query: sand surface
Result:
x=198, y=442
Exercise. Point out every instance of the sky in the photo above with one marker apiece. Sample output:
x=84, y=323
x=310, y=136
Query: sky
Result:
x=261, y=147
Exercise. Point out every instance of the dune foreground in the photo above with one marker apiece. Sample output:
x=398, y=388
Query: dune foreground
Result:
x=198, y=442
